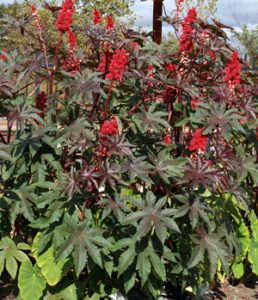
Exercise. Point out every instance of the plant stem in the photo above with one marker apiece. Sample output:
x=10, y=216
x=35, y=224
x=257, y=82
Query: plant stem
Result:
x=2, y=138
x=108, y=98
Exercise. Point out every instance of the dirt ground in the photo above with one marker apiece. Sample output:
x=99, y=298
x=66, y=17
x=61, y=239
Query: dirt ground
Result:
x=239, y=292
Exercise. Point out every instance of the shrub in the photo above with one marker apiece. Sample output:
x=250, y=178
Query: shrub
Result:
x=136, y=170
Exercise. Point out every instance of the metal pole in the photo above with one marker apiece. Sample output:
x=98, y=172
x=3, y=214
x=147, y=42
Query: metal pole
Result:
x=157, y=23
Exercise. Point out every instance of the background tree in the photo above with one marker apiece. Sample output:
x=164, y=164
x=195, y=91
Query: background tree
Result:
x=206, y=8
x=246, y=41
x=11, y=37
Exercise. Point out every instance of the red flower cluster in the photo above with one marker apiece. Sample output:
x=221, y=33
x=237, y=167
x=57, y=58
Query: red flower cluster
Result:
x=171, y=67
x=198, y=141
x=117, y=65
x=3, y=57
x=96, y=17
x=109, y=127
x=65, y=16
x=186, y=41
x=110, y=23
x=41, y=101
x=233, y=71
x=72, y=64
x=63, y=23
x=195, y=103
x=167, y=139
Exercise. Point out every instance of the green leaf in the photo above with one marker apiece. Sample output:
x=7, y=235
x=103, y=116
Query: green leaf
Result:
x=158, y=265
x=51, y=270
x=30, y=281
x=23, y=246
x=125, y=260
x=11, y=266
x=129, y=278
x=152, y=214
x=196, y=257
x=143, y=266
x=253, y=255
x=238, y=269
x=20, y=256
x=254, y=225
x=244, y=236
x=152, y=119
x=78, y=238
x=9, y=254
x=4, y=152
x=80, y=258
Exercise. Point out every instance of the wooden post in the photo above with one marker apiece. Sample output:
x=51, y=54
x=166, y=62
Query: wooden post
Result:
x=157, y=23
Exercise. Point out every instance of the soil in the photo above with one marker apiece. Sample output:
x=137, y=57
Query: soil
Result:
x=239, y=292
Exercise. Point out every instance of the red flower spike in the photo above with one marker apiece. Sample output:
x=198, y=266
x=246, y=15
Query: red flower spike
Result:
x=109, y=127
x=167, y=139
x=191, y=16
x=117, y=65
x=97, y=19
x=65, y=16
x=110, y=23
x=186, y=42
x=233, y=71
x=199, y=141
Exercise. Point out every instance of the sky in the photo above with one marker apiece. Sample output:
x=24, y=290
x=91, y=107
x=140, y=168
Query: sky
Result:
x=234, y=13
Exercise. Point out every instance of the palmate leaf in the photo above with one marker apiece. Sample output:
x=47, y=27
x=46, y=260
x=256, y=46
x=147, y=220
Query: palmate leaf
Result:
x=138, y=167
x=165, y=166
x=82, y=241
x=116, y=206
x=216, y=250
x=247, y=165
x=218, y=115
x=10, y=253
x=140, y=256
x=110, y=174
x=152, y=119
x=22, y=114
x=194, y=208
x=118, y=144
x=198, y=172
x=21, y=201
x=151, y=214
